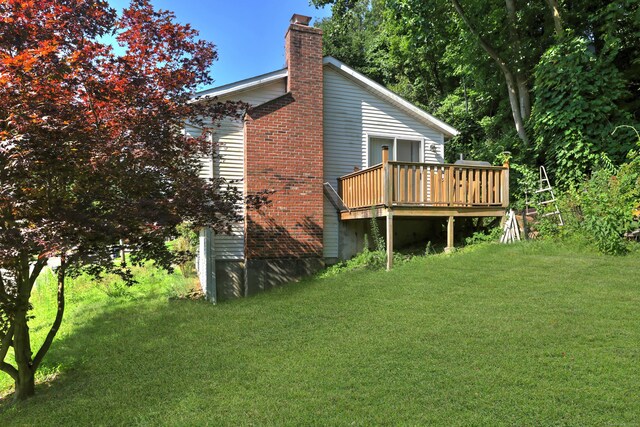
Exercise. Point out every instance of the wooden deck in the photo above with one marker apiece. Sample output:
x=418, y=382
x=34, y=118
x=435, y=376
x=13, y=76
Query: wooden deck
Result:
x=424, y=189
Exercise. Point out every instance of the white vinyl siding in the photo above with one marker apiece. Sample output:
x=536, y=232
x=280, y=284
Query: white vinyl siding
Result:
x=230, y=164
x=352, y=114
x=331, y=223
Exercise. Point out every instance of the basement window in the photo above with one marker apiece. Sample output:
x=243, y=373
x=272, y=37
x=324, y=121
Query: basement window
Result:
x=402, y=150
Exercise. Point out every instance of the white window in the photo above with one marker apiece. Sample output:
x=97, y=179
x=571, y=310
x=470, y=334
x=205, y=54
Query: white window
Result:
x=403, y=150
x=375, y=149
x=407, y=150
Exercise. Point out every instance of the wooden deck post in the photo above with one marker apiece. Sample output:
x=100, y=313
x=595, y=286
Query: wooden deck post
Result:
x=387, y=199
x=386, y=177
x=505, y=184
x=389, y=239
x=450, y=229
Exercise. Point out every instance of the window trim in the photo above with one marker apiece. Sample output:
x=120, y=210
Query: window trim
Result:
x=394, y=148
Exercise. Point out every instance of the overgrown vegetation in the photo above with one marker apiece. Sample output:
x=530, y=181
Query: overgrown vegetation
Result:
x=184, y=248
x=576, y=110
x=369, y=258
x=601, y=209
x=526, y=334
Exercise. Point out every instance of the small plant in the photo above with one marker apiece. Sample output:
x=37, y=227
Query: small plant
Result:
x=185, y=289
x=492, y=235
x=378, y=241
x=184, y=248
x=114, y=287
x=526, y=185
x=375, y=259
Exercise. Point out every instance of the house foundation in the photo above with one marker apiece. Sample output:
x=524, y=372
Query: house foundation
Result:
x=265, y=274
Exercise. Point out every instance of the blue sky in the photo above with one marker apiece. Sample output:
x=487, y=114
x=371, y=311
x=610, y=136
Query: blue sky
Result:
x=249, y=34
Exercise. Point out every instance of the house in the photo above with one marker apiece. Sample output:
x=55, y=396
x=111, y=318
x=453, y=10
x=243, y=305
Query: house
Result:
x=318, y=121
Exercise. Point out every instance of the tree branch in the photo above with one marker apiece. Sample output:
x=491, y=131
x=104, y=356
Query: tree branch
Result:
x=557, y=19
x=512, y=87
x=483, y=43
x=13, y=372
x=6, y=343
x=524, y=99
x=37, y=269
x=58, y=320
x=4, y=348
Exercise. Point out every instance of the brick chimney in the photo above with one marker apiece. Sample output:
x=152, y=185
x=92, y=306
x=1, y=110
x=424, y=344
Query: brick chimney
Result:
x=284, y=153
x=303, y=54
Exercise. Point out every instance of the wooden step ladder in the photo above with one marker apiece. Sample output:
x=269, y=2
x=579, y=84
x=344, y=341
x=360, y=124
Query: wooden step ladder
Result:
x=547, y=197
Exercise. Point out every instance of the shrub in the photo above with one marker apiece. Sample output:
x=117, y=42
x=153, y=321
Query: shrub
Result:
x=601, y=209
x=490, y=235
x=184, y=248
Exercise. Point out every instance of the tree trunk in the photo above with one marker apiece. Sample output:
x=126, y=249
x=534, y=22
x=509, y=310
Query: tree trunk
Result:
x=557, y=19
x=27, y=365
x=512, y=85
x=59, y=314
x=514, y=101
x=25, y=385
x=18, y=336
x=524, y=97
x=25, y=381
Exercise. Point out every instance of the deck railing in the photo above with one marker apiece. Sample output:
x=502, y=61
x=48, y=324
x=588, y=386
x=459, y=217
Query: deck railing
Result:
x=364, y=188
x=426, y=184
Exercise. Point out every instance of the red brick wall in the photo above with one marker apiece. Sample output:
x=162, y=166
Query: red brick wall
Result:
x=283, y=153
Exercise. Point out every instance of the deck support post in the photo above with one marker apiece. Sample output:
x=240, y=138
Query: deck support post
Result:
x=505, y=184
x=389, y=239
x=450, y=229
x=386, y=194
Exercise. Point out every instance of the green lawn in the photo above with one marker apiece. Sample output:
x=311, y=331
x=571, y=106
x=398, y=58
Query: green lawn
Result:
x=528, y=334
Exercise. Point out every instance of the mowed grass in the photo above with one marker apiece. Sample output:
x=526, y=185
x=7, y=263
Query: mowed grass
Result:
x=527, y=334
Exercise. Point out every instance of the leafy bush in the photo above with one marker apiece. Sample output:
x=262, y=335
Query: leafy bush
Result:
x=577, y=94
x=607, y=206
x=114, y=287
x=601, y=209
x=526, y=183
x=492, y=235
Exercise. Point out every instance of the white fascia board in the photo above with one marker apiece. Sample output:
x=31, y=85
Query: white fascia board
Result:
x=242, y=85
x=386, y=93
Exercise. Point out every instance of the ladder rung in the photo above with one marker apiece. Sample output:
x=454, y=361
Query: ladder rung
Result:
x=546, y=202
x=542, y=190
x=552, y=213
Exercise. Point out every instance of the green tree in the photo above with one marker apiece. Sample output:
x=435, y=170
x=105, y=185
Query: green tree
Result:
x=91, y=152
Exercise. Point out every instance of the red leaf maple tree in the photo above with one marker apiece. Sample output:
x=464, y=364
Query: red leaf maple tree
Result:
x=91, y=149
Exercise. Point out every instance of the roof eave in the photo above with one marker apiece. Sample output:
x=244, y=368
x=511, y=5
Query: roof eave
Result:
x=241, y=85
